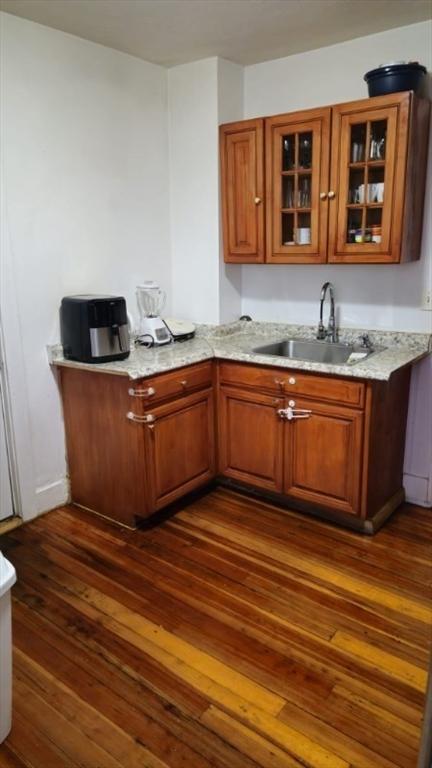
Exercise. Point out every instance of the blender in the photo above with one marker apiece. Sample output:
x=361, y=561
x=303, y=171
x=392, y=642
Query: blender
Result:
x=151, y=301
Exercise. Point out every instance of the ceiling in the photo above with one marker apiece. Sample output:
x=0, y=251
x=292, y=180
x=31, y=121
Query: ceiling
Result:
x=170, y=32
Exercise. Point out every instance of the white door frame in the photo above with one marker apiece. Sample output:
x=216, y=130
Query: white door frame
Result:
x=5, y=415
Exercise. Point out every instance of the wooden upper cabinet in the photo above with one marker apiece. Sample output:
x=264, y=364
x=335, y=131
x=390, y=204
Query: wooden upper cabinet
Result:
x=242, y=190
x=344, y=184
x=377, y=179
x=297, y=174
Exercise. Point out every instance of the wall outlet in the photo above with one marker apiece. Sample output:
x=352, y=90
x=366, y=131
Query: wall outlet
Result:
x=427, y=300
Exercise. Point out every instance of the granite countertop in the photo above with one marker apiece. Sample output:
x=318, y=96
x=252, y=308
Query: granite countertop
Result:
x=235, y=341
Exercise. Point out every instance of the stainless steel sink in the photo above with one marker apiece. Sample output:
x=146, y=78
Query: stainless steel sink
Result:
x=316, y=351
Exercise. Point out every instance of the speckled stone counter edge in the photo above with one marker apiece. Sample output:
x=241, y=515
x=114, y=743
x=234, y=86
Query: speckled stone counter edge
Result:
x=235, y=341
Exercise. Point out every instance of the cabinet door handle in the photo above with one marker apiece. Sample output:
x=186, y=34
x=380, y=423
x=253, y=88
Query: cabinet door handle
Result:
x=298, y=413
x=147, y=419
x=331, y=195
x=291, y=413
x=323, y=195
x=257, y=200
x=148, y=392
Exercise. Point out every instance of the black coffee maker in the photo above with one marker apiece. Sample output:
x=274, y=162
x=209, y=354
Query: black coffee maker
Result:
x=94, y=329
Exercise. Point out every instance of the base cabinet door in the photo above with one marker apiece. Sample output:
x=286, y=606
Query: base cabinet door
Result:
x=323, y=456
x=180, y=447
x=251, y=438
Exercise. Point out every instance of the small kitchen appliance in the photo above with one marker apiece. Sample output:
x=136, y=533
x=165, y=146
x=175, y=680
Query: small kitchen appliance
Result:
x=180, y=330
x=94, y=329
x=151, y=301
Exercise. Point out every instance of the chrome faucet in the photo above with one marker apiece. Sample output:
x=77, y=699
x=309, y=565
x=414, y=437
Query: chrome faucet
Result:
x=331, y=333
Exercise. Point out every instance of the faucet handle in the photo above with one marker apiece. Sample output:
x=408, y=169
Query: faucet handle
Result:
x=321, y=331
x=365, y=341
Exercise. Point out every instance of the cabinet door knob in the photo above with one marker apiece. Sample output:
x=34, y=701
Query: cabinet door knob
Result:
x=331, y=194
x=291, y=403
x=323, y=195
x=291, y=380
x=257, y=200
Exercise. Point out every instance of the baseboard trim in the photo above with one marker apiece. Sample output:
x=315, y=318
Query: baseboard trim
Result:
x=418, y=490
x=52, y=495
x=10, y=524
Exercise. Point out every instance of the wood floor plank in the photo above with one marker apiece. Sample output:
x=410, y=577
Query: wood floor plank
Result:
x=32, y=746
x=69, y=737
x=249, y=742
x=413, y=608
x=376, y=658
x=232, y=635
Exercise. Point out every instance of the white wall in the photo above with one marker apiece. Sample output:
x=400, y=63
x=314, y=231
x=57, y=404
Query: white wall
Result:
x=202, y=94
x=386, y=296
x=85, y=207
x=193, y=127
x=418, y=446
x=230, y=108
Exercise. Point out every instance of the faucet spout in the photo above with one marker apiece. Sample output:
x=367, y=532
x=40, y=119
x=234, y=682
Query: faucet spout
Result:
x=331, y=333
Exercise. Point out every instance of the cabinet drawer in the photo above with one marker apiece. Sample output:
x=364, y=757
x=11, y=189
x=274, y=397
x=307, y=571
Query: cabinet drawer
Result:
x=286, y=381
x=172, y=384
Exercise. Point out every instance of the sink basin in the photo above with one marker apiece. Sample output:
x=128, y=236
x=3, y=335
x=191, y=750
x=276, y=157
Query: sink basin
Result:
x=316, y=351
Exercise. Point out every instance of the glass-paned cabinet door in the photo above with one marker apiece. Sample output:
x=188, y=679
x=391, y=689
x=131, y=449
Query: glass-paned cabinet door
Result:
x=297, y=156
x=362, y=188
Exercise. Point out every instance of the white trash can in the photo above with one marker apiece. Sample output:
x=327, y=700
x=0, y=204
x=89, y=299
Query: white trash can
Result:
x=7, y=580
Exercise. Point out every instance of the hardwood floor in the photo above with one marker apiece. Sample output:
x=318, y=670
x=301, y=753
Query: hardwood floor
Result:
x=231, y=635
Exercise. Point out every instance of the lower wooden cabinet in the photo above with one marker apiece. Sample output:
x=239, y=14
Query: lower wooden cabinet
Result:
x=105, y=450
x=327, y=444
x=251, y=438
x=323, y=456
x=315, y=457
x=127, y=458
x=180, y=447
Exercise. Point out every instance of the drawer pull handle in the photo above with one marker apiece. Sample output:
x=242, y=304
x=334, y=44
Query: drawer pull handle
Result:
x=280, y=383
x=147, y=419
x=184, y=383
x=148, y=392
x=291, y=380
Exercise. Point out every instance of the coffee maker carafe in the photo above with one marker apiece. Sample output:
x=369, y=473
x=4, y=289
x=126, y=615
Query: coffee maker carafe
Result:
x=151, y=301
